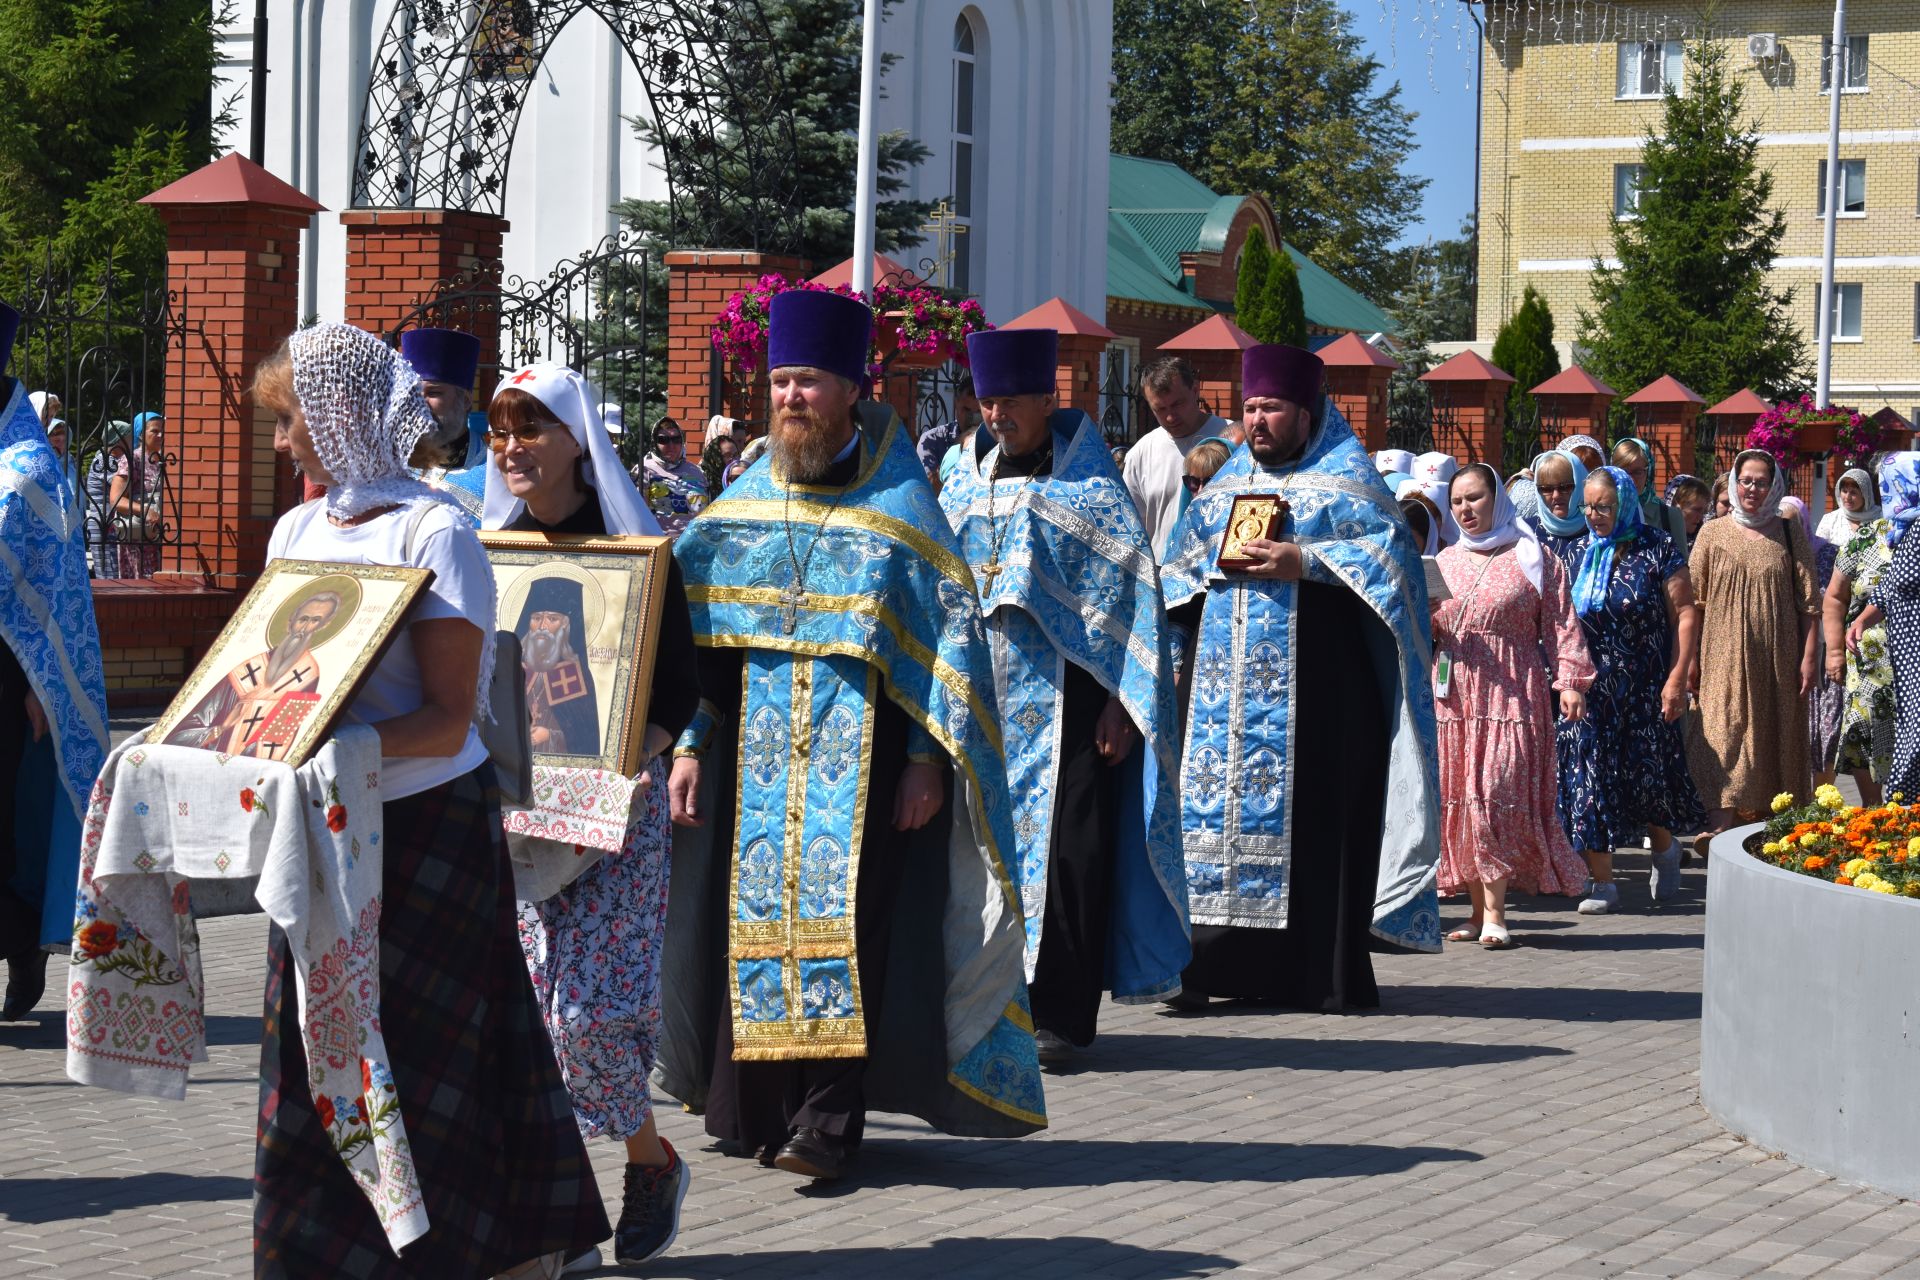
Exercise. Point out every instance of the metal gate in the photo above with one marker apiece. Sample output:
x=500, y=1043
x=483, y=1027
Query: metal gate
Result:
x=596, y=313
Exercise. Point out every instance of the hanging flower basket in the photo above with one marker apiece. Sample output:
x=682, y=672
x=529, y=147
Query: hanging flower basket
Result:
x=916, y=328
x=1797, y=429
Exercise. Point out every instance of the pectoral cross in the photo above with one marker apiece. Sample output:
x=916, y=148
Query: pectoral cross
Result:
x=791, y=599
x=945, y=228
x=991, y=569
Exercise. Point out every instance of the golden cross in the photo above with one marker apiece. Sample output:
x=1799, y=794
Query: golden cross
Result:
x=945, y=227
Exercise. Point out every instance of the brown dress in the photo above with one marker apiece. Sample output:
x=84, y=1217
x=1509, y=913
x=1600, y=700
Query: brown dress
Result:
x=1753, y=745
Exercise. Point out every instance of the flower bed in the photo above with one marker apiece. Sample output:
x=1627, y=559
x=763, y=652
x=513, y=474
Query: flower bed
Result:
x=1876, y=850
x=1807, y=1014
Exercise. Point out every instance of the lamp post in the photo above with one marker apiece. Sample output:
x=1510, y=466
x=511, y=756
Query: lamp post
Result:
x=1829, y=304
x=863, y=179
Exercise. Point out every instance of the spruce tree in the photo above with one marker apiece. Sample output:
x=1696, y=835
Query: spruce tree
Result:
x=1250, y=286
x=1283, y=309
x=1693, y=294
x=1524, y=348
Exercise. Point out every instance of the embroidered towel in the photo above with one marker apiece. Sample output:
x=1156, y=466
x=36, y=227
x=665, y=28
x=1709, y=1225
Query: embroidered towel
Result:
x=577, y=817
x=158, y=815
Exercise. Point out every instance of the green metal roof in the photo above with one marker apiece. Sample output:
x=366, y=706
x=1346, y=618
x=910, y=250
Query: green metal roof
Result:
x=1157, y=211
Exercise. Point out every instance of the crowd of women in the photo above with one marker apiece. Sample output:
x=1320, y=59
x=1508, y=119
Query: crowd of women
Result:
x=120, y=488
x=1619, y=664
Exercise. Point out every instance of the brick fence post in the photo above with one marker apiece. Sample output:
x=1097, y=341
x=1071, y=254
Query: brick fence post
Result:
x=1357, y=374
x=699, y=282
x=1572, y=403
x=1473, y=391
x=1213, y=348
x=1667, y=410
x=395, y=258
x=1082, y=340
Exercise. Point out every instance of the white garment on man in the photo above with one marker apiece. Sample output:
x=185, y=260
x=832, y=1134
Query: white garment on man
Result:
x=1155, y=472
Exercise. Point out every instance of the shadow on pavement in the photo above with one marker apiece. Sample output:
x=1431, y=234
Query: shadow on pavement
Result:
x=1550, y=1004
x=47, y=1029
x=963, y=1256
x=1202, y=1052
x=1617, y=942
x=62, y=1199
x=1074, y=1162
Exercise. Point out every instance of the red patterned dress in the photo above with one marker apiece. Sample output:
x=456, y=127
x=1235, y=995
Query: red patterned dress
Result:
x=1511, y=647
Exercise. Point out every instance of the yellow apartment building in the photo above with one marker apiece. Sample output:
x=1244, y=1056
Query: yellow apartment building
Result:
x=1568, y=91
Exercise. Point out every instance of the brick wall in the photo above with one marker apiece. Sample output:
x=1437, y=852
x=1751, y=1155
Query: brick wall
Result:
x=699, y=283
x=395, y=258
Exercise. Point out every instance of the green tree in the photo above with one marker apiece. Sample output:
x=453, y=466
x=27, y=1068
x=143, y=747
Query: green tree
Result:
x=1443, y=277
x=1524, y=348
x=1274, y=98
x=101, y=102
x=1693, y=295
x=1283, y=310
x=1250, y=286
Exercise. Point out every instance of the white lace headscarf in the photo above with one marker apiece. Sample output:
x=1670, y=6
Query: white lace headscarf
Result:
x=365, y=412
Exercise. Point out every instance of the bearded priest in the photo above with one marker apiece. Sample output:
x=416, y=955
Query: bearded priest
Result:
x=1309, y=788
x=844, y=929
x=1083, y=677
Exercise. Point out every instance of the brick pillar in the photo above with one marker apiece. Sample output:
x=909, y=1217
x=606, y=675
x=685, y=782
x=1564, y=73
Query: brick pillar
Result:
x=1667, y=412
x=1732, y=419
x=1213, y=348
x=1082, y=342
x=1470, y=408
x=233, y=262
x=699, y=282
x=395, y=257
x=1573, y=402
x=1357, y=376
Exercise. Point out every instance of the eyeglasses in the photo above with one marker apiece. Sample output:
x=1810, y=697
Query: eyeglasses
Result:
x=529, y=435
x=1599, y=508
x=1194, y=483
x=1754, y=484
x=1554, y=490
x=668, y=440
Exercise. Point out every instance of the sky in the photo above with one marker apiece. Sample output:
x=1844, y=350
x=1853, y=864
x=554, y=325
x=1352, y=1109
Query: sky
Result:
x=1427, y=47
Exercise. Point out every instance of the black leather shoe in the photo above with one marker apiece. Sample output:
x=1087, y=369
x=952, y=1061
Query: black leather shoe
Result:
x=26, y=983
x=812, y=1154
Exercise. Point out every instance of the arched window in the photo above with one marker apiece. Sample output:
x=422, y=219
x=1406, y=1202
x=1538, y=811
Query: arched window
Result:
x=965, y=66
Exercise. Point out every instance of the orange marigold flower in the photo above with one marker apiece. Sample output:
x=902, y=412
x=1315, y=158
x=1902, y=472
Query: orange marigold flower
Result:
x=1843, y=880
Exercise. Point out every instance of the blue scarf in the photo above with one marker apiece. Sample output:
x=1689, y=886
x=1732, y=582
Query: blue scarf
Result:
x=1573, y=523
x=1590, y=588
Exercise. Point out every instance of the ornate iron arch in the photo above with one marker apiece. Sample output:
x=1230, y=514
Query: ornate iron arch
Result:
x=451, y=76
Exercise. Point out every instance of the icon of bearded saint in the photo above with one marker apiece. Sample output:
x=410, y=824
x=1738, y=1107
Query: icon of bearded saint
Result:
x=563, y=714
x=258, y=708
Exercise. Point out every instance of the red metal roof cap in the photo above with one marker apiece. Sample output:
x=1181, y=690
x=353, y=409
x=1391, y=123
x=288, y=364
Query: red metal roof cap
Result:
x=1351, y=351
x=1574, y=381
x=1892, y=417
x=1061, y=315
x=1466, y=367
x=1215, y=333
x=1666, y=389
x=234, y=179
x=884, y=268
x=1743, y=401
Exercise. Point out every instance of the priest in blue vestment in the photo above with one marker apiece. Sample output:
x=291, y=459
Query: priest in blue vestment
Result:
x=453, y=459
x=1083, y=677
x=53, y=697
x=844, y=926
x=1309, y=777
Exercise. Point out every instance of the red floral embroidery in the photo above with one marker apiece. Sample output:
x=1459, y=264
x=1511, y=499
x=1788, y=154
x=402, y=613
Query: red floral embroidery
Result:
x=337, y=818
x=97, y=938
x=324, y=1106
x=246, y=799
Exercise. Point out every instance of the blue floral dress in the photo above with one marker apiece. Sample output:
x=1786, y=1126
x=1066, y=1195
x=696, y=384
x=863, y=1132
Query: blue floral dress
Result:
x=1624, y=767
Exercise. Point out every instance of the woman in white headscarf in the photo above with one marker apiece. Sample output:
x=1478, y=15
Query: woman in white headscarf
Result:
x=593, y=949
x=1856, y=503
x=1754, y=577
x=1508, y=639
x=502, y=1170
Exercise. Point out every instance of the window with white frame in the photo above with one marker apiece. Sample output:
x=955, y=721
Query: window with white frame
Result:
x=965, y=70
x=1854, y=77
x=1626, y=189
x=1853, y=188
x=1846, y=312
x=1647, y=67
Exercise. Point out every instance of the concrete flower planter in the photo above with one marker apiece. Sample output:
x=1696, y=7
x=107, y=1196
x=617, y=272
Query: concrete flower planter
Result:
x=1810, y=1030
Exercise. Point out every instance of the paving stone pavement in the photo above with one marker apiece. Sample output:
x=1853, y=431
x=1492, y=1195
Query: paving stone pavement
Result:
x=1518, y=1114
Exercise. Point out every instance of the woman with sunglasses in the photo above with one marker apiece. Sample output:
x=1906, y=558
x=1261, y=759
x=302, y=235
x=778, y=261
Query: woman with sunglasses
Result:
x=593, y=948
x=676, y=488
x=1754, y=576
x=1559, y=480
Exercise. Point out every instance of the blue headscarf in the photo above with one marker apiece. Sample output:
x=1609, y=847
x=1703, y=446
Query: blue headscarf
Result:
x=1900, y=493
x=1573, y=522
x=1590, y=588
x=140, y=427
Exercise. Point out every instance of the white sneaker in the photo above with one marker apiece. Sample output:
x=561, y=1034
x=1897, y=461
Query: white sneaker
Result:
x=1601, y=898
x=581, y=1263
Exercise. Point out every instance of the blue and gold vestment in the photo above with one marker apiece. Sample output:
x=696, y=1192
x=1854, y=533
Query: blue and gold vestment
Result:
x=1243, y=742
x=467, y=483
x=884, y=609
x=1065, y=574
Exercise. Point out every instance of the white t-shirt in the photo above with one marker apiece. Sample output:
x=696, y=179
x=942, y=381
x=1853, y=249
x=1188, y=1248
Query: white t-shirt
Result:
x=1156, y=471
x=462, y=587
x=1836, y=528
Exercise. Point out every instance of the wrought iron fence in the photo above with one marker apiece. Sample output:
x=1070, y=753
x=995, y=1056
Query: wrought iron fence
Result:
x=591, y=313
x=1521, y=439
x=106, y=344
x=1410, y=411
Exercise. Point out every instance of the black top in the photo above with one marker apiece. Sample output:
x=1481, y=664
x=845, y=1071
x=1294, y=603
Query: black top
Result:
x=676, y=679
x=1037, y=463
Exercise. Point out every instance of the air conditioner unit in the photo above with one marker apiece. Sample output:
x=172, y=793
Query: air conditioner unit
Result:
x=1762, y=45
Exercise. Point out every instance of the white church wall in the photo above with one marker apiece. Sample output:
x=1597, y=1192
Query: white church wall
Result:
x=1041, y=137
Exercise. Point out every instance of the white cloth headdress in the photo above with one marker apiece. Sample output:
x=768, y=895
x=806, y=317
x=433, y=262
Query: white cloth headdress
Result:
x=365, y=412
x=1508, y=528
x=614, y=418
x=1435, y=466
x=1445, y=531
x=1389, y=461
x=1770, y=505
x=574, y=401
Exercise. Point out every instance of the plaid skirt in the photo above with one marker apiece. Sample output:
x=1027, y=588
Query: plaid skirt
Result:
x=501, y=1164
